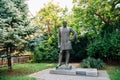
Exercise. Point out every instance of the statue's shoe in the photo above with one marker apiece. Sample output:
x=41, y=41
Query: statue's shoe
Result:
x=63, y=67
x=58, y=66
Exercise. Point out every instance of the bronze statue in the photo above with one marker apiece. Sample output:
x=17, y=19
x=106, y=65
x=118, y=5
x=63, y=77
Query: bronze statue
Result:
x=64, y=42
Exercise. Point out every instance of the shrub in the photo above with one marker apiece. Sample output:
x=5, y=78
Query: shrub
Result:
x=46, y=51
x=44, y=48
x=92, y=63
x=79, y=51
x=107, y=46
x=98, y=48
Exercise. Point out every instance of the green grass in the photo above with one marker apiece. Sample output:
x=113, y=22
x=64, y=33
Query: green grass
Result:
x=16, y=78
x=21, y=70
x=114, y=72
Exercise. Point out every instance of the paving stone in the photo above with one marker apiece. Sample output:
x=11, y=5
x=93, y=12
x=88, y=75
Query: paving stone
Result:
x=45, y=75
x=91, y=72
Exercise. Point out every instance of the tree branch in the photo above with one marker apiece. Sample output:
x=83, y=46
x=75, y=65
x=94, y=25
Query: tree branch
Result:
x=102, y=18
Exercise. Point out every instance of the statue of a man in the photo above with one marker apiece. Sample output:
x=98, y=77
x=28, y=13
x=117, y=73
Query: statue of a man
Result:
x=64, y=42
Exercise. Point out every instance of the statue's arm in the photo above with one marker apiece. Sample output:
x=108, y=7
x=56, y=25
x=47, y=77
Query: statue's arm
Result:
x=59, y=38
x=74, y=34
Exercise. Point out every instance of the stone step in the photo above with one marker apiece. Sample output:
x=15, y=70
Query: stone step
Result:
x=77, y=71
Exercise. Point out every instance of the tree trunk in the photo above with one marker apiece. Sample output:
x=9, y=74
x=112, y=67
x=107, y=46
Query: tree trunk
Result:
x=9, y=63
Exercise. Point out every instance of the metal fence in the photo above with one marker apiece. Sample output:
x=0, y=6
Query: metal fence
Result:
x=15, y=59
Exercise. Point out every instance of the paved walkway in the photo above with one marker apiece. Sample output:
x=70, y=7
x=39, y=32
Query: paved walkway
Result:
x=45, y=75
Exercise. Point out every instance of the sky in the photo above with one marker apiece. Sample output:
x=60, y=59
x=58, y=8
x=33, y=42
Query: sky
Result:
x=35, y=5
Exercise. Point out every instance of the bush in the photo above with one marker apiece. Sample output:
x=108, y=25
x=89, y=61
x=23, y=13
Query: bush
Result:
x=44, y=48
x=92, y=63
x=79, y=51
x=107, y=46
x=99, y=48
x=49, y=54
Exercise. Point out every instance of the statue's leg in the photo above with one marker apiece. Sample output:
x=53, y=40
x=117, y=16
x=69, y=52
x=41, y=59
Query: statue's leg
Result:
x=67, y=57
x=60, y=58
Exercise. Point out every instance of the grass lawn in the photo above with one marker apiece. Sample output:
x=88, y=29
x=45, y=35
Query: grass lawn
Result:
x=21, y=70
x=114, y=72
x=16, y=78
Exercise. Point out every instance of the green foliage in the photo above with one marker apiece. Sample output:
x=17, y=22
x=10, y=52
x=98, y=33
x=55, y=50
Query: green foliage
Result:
x=48, y=54
x=107, y=46
x=14, y=24
x=95, y=21
x=79, y=51
x=32, y=43
x=98, y=20
x=95, y=15
x=48, y=16
x=92, y=63
x=44, y=48
x=15, y=27
x=98, y=48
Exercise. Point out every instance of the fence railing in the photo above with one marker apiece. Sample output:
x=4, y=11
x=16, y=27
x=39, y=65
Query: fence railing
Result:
x=15, y=59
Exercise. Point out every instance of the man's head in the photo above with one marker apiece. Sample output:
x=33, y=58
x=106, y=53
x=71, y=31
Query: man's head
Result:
x=64, y=23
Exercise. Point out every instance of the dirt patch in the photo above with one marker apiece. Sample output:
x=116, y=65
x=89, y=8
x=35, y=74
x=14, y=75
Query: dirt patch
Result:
x=20, y=71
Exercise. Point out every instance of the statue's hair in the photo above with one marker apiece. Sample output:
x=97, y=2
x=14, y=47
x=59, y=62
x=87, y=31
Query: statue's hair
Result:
x=64, y=21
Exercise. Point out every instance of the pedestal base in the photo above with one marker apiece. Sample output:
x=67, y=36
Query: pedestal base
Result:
x=78, y=71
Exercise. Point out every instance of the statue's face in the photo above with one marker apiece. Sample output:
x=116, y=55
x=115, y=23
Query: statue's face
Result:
x=64, y=23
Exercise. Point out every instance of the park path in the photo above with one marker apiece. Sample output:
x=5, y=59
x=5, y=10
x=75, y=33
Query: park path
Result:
x=45, y=75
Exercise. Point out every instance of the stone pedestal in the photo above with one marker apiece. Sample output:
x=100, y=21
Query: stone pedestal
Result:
x=77, y=71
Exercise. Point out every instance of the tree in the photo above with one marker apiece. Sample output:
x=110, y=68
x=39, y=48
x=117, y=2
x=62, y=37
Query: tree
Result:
x=14, y=27
x=49, y=19
x=96, y=16
x=99, y=20
x=48, y=16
